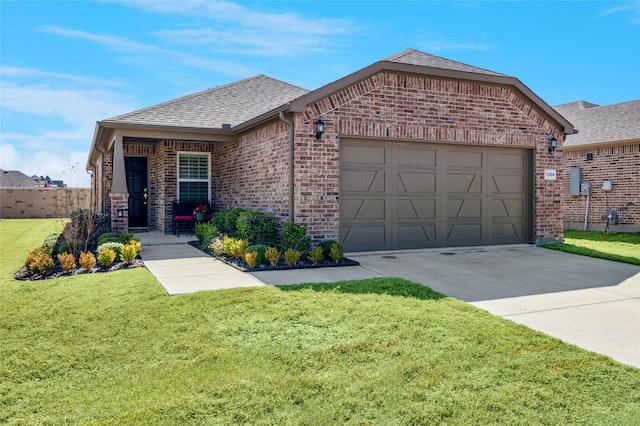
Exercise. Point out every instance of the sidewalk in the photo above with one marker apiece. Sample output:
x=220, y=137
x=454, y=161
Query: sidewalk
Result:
x=181, y=268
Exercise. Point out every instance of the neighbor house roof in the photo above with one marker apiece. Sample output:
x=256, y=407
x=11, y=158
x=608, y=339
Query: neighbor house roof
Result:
x=17, y=179
x=602, y=124
x=232, y=104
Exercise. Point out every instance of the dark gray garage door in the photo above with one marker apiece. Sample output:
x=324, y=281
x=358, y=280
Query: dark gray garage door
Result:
x=415, y=195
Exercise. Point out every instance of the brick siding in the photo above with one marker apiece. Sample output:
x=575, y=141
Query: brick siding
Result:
x=253, y=172
x=620, y=164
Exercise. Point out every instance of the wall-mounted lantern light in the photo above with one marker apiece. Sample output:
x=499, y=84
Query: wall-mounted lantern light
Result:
x=553, y=144
x=319, y=129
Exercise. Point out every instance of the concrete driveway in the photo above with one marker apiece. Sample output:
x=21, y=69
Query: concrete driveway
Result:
x=592, y=303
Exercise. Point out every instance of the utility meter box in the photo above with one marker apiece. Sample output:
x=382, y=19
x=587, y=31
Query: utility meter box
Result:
x=585, y=188
x=606, y=185
x=575, y=179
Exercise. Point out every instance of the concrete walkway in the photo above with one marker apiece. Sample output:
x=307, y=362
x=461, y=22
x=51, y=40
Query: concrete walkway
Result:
x=592, y=303
x=181, y=268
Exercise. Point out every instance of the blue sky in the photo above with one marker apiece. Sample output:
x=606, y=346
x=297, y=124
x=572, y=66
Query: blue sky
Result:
x=66, y=65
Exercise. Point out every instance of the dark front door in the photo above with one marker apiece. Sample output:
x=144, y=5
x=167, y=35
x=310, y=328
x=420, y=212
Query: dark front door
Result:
x=138, y=192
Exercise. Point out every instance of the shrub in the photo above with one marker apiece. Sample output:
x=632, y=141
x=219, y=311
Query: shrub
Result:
x=326, y=247
x=106, y=257
x=316, y=254
x=250, y=258
x=39, y=262
x=82, y=231
x=336, y=252
x=258, y=228
x=87, y=260
x=217, y=246
x=67, y=261
x=239, y=248
x=129, y=252
x=291, y=257
x=272, y=254
x=205, y=232
x=295, y=237
x=116, y=247
x=52, y=244
x=260, y=249
x=126, y=237
x=108, y=237
x=225, y=221
x=227, y=245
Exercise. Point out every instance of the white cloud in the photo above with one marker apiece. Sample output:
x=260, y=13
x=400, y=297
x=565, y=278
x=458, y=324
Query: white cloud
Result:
x=49, y=120
x=633, y=7
x=248, y=31
x=159, y=55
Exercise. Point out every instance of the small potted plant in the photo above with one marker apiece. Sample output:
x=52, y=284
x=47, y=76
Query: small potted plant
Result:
x=200, y=212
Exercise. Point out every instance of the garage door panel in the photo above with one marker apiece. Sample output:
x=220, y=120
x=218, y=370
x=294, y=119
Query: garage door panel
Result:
x=464, y=231
x=363, y=209
x=416, y=182
x=464, y=209
x=416, y=157
x=464, y=183
x=363, y=181
x=412, y=236
x=369, y=155
x=364, y=237
x=508, y=184
x=416, y=209
x=513, y=161
x=464, y=159
x=507, y=208
x=508, y=231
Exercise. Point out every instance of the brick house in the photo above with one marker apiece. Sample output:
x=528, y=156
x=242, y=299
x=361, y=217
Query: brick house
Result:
x=416, y=151
x=606, y=149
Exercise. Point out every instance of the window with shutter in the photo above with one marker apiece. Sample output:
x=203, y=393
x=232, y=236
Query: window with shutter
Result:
x=193, y=176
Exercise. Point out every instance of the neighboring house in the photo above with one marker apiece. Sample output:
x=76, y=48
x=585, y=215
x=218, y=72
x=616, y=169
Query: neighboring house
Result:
x=17, y=179
x=606, y=149
x=417, y=151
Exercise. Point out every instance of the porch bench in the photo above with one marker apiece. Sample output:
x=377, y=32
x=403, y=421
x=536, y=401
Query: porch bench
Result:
x=184, y=217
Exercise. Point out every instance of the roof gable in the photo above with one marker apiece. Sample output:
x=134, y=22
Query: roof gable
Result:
x=602, y=124
x=415, y=57
x=232, y=104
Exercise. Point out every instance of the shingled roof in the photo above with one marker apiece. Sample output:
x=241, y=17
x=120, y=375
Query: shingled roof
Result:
x=415, y=57
x=602, y=124
x=17, y=179
x=232, y=104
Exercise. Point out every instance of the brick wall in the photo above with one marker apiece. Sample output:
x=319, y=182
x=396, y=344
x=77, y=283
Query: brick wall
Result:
x=425, y=109
x=620, y=164
x=28, y=203
x=253, y=173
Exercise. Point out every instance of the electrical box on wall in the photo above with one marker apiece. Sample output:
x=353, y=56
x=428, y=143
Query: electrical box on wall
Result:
x=585, y=188
x=575, y=179
x=606, y=185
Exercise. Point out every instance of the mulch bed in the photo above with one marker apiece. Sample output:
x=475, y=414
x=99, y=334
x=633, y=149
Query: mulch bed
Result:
x=57, y=272
x=302, y=264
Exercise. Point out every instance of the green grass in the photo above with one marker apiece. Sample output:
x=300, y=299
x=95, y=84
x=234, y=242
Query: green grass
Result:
x=619, y=247
x=112, y=349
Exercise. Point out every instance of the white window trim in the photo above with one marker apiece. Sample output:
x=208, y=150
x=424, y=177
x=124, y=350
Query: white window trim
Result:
x=208, y=180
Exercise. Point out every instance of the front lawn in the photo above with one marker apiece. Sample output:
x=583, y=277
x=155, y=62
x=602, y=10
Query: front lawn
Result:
x=619, y=246
x=111, y=349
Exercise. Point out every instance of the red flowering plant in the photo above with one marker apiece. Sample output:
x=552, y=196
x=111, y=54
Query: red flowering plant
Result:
x=200, y=209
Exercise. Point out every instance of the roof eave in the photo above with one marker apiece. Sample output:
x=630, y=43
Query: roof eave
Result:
x=263, y=118
x=299, y=104
x=599, y=144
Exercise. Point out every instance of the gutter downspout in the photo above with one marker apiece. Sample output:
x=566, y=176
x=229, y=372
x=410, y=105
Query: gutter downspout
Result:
x=291, y=175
